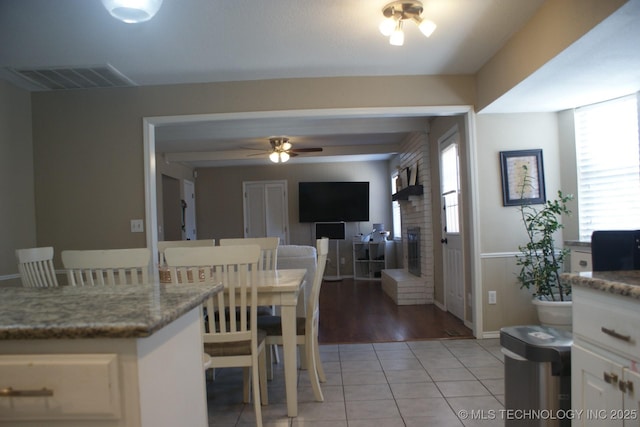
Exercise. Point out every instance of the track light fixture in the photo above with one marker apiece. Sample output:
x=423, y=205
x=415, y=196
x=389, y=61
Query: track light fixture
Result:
x=399, y=11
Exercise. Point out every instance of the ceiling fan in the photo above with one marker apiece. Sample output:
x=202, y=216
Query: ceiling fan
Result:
x=281, y=149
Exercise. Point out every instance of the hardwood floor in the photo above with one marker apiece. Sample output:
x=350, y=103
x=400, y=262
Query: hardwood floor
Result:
x=360, y=312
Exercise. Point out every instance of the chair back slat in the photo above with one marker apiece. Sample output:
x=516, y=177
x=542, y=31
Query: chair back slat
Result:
x=268, y=249
x=163, y=245
x=107, y=267
x=230, y=315
x=35, y=266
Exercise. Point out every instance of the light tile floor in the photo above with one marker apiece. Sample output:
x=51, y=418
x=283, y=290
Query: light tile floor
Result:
x=419, y=383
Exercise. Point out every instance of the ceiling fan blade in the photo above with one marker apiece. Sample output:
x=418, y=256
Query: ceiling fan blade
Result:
x=305, y=150
x=291, y=154
x=263, y=153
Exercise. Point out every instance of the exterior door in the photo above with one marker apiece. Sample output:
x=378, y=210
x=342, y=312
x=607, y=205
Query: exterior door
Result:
x=189, y=211
x=452, y=254
x=266, y=210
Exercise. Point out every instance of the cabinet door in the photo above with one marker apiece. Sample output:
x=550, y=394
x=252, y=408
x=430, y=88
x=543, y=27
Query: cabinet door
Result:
x=631, y=388
x=594, y=388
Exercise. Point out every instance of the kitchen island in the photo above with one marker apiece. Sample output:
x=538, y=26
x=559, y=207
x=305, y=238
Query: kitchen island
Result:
x=106, y=356
x=605, y=355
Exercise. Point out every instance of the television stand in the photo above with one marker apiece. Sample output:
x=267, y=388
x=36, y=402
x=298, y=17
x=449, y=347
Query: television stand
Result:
x=333, y=231
x=337, y=277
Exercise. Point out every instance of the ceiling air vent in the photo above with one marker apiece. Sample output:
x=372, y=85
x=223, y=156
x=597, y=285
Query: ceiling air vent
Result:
x=62, y=78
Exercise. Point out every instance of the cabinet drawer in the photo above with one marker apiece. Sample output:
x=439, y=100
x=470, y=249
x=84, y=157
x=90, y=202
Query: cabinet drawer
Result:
x=59, y=387
x=580, y=261
x=611, y=321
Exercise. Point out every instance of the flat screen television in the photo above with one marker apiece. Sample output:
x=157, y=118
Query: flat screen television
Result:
x=333, y=201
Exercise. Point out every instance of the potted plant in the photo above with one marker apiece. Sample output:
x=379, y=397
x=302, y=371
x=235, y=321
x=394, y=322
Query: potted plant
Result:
x=541, y=262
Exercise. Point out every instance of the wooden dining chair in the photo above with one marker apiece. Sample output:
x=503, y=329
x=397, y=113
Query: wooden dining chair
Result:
x=306, y=327
x=107, y=266
x=164, y=244
x=36, y=267
x=229, y=341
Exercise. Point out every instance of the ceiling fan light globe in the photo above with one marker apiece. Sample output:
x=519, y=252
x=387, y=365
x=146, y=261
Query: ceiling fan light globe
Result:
x=286, y=146
x=274, y=157
x=132, y=11
x=284, y=156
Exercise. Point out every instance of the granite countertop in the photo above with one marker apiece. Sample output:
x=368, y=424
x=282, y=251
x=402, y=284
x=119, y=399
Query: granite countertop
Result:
x=130, y=311
x=624, y=283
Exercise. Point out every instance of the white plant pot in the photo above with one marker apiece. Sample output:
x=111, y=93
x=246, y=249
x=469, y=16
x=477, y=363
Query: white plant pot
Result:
x=555, y=314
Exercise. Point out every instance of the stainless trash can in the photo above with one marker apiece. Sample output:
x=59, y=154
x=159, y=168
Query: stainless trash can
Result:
x=537, y=375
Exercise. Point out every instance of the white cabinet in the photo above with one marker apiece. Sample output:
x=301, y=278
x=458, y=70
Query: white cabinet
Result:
x=106, y=382
x=59, y=387
x=369, y=259
x=604, y=359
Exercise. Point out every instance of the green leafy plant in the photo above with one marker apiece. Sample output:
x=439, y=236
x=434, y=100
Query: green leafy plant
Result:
x=539, y=260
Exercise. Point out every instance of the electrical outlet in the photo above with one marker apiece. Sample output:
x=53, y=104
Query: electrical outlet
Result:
x=492, y=297
x=137, y=226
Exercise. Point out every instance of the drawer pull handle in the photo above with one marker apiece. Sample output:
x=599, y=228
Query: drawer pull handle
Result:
x=10, y=392
x=610, y=377
x=615, y=334
x=625, y=386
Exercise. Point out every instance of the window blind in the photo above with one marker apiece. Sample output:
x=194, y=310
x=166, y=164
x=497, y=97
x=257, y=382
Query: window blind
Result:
x=608, y=162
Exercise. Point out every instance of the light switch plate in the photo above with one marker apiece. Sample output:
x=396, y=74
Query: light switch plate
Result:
x=492, y=297
x=137, y=225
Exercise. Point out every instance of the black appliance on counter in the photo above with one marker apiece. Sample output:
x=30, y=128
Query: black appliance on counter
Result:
x=615, y=250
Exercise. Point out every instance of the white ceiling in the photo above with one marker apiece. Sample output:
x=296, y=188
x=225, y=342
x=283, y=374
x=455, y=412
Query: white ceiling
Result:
x=211, y=41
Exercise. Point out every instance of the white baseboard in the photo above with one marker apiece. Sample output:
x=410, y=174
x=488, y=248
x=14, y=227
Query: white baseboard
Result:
x=491, y=334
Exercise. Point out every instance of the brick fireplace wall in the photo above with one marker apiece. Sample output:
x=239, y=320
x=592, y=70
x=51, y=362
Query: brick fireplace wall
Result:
x=416, y=212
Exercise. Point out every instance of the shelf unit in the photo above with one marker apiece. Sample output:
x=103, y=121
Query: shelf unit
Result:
x=412, y=190
x=369, y=259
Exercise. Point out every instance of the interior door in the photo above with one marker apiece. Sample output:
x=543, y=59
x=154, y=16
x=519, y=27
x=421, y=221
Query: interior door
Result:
x=189, y=212
x=171, y=208
x=452, y=254
x=266, y=210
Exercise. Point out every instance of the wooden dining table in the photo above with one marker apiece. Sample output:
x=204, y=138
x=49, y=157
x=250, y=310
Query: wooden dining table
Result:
x=283, y=288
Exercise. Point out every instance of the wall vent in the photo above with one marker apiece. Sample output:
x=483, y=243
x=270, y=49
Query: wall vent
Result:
x=64, y=78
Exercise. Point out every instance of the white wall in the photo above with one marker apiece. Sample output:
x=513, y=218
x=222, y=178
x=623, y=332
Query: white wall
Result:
x=501, y=229
x=17, y=206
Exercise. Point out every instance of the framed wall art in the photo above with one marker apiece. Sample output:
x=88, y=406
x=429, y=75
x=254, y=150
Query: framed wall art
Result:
x=522, y=177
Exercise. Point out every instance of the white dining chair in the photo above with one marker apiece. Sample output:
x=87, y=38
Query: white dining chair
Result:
x=268, y=261
x=107, y=266
x=164, y=244
x=229, y=341
x=36, y=267
x=306, y=327
x=268, y=249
